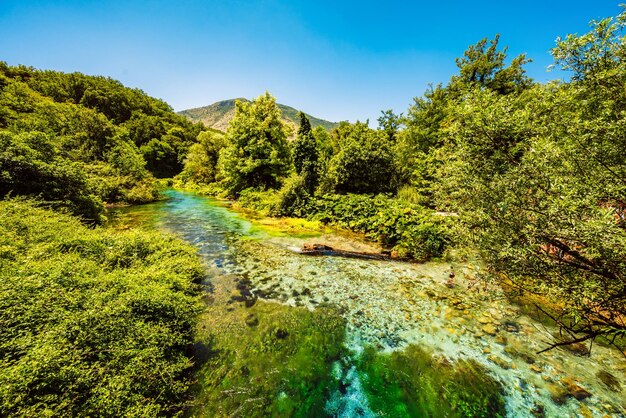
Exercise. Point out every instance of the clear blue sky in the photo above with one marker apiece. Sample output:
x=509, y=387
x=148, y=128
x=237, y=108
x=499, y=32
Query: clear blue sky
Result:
x=339, y=60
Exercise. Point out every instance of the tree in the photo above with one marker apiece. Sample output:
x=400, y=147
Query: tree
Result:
x=423, y=146
x=201, y=162
x=539, y=179
x=94, y=128
x=390, y=123
x=161, y=158
x=363, y=162
x=483, y=66
x=306, y=155
x=415, y=148
x=31, y=165
x=258, y=153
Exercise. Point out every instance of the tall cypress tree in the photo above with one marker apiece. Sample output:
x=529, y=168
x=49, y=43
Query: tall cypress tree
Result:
x=306, y=154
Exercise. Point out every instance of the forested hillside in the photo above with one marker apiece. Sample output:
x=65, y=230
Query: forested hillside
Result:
x=218, y=115
x=77, y=141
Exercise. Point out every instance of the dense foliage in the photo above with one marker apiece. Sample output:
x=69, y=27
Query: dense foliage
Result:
x=79, y=140
x=409, y=230
x=201, y=161
x=306, y=155
x=92, y=323
x=362, y=161
x=257, y=154
x=539, y=177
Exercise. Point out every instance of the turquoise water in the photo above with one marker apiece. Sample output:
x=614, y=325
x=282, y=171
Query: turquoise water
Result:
x=205, y=223
x=405, y=318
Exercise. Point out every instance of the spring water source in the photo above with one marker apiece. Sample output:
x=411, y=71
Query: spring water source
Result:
x=385, y=307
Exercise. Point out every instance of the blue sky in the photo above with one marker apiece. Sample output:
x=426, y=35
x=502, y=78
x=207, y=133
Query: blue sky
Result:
x=336, y=60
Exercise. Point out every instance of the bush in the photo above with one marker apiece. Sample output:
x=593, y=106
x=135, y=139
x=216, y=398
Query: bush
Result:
x=93, y=323
x=293, y=199
x=31, y=165
x=263, y=202
x=411, y=230
x=363, y=162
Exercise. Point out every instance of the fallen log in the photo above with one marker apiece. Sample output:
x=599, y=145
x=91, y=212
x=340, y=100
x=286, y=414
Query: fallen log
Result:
x=325, y=250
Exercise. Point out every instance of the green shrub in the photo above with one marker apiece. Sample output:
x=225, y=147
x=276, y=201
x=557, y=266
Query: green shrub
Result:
x=30, y=164
x=261, y=201
x=411, y=230
x=92, y=322
x=293, y=198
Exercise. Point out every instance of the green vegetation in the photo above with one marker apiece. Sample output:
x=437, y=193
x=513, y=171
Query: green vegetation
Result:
x=92, y=323
x=278, y=365
x=538, y=178
x=201, y=161
x=362, y=161
x=411, y=231
x=95, y=322
x=414, y=383
x=78, y=141
x=257, y=154
x=306, y=155
x=254, y=159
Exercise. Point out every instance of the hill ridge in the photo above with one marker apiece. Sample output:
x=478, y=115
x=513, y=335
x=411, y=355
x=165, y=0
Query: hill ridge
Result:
x=219, y=114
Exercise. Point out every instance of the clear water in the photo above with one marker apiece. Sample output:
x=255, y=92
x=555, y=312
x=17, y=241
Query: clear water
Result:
x=391, y=305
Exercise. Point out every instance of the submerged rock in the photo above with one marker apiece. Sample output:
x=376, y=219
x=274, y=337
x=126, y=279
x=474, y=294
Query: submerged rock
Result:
x=609, y=380
x=511, y=326
x=574, y=389
x=521, y=353
x=502, y=363
x=558, y=394
x=490, y=329
x=501, y=339
x=579, y=349
x=538, y=411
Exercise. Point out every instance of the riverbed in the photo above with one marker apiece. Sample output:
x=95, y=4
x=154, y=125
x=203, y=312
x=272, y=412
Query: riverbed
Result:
x=287, y=334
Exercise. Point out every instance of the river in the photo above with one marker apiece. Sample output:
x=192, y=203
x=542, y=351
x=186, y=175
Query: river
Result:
x=285, y=334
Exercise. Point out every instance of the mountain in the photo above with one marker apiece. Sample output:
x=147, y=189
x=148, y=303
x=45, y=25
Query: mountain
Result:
x=218, y=115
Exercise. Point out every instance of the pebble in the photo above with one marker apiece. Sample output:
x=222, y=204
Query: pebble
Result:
x=490, y=329
x=500, y=362
x=574, y=389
